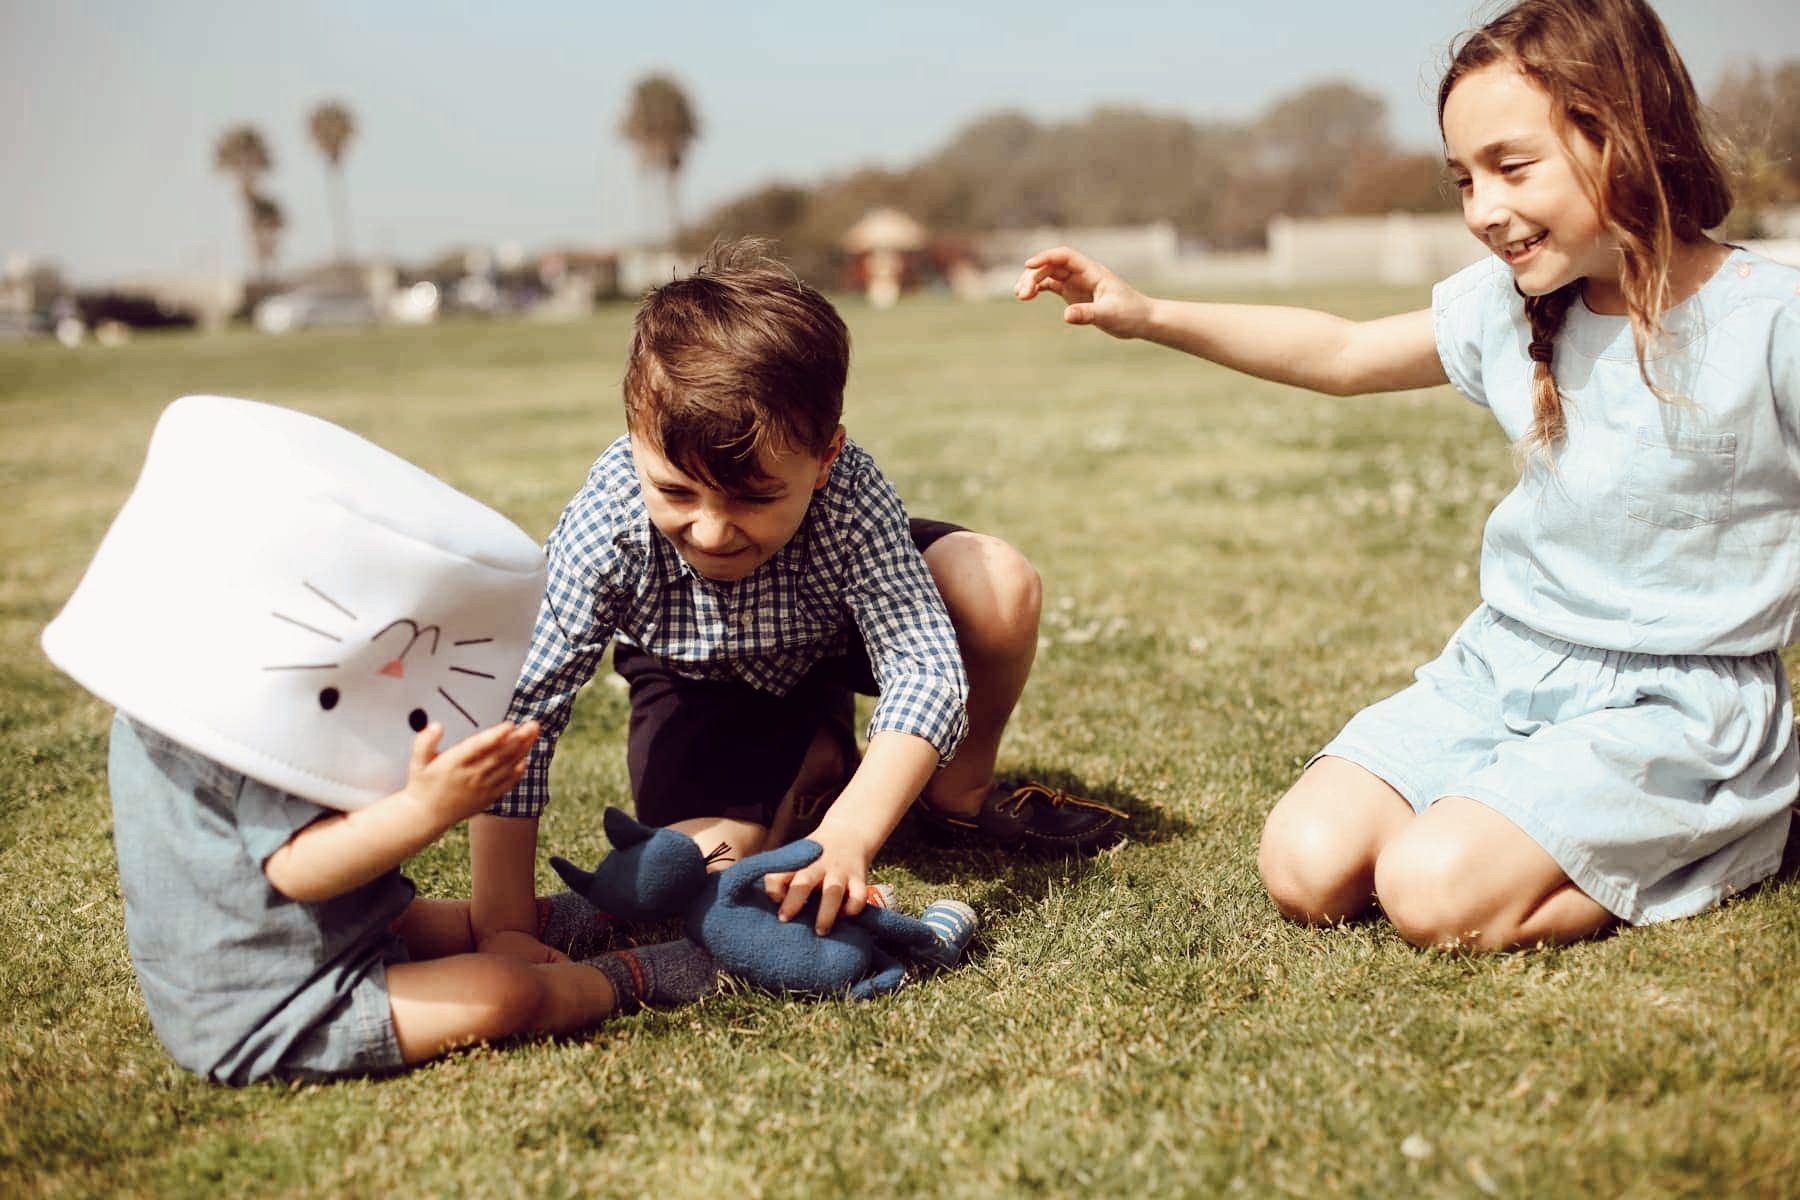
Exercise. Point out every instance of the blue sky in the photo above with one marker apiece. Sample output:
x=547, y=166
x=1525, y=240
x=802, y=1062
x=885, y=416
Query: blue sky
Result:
x=492, y=123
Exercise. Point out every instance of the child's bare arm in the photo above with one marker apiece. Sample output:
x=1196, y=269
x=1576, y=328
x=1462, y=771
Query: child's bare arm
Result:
x=344, y=851
x=502, y=894
x=1298, y=346
x=895, y=768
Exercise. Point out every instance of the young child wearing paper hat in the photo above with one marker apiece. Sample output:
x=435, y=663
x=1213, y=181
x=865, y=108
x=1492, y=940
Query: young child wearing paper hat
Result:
x=311, y=643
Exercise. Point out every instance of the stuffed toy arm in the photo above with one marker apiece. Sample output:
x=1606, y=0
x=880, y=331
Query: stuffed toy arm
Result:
x=742, y=879
x=897, y=929
x=859, y=958
x=748, y=938
x=890, y=973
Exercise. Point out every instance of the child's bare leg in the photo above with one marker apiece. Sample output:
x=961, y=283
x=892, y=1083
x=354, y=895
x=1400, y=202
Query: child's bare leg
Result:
x=440, y=928
x=436, y=928
x=994, y=597
x=743, y=838
x=1321, y=841
x=450, y=1002
x=1461, y=874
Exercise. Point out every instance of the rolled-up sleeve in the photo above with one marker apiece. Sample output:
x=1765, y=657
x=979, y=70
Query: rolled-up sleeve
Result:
x=924, y=689
x=575, y=623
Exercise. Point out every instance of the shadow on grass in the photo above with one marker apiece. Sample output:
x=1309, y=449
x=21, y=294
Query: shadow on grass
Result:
x=1790, y=857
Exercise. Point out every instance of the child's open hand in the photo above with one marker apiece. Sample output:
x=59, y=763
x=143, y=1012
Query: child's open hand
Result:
x=1094, y=295
x=839, y=876
x=472, y=774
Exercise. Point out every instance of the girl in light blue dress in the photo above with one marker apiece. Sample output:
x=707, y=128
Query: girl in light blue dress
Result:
x=1610, y=735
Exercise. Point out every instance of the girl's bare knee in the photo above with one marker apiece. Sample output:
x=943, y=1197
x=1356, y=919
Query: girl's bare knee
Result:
x=1425, y=896
x=1320, y=842
x=1306, y=875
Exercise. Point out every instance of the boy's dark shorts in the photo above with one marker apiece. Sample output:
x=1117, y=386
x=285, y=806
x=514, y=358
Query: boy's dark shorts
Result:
x=712, y=748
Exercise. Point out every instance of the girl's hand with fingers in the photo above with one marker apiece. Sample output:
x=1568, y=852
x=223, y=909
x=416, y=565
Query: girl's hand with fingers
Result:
x=1093, y=294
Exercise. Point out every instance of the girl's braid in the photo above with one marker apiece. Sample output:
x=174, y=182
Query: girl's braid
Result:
x=1546, y=314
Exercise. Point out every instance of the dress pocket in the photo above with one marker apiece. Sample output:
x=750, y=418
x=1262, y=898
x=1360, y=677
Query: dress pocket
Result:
x=1681, y=480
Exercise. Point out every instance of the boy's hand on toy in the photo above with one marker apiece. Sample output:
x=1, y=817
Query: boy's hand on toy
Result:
x=472, y=774
x=839, y=876
x=1094, y=295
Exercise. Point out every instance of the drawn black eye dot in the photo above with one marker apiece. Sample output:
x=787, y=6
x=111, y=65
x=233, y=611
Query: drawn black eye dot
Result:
x=328, y=699
x=417, y=719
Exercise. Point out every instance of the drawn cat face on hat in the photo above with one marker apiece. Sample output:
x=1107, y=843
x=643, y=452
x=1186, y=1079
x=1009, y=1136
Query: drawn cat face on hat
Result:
x=296, y=602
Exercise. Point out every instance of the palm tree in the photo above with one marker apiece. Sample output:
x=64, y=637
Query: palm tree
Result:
x=242, y=153
x=332, y=126
x=266, y=224
x=661, y=125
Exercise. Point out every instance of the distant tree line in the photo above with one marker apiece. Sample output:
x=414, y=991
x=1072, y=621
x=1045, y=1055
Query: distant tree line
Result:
x=1322, y=150
x=1757, y=113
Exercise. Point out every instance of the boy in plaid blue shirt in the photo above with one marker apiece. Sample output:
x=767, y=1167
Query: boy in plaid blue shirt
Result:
x=751, y=566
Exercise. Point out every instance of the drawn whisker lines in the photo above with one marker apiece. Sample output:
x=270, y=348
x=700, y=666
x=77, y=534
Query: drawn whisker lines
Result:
x=426, y=636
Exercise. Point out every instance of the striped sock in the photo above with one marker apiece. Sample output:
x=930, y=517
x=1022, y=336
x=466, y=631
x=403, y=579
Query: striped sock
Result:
x=663, y=975
x=954, y=923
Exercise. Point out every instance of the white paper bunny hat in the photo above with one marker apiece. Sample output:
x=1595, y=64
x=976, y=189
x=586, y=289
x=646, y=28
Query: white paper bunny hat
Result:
x=296, y=602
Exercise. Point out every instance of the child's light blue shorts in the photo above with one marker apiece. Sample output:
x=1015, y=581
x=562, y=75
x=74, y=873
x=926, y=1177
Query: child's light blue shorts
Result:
x=1661, y=785
x=357, y=1037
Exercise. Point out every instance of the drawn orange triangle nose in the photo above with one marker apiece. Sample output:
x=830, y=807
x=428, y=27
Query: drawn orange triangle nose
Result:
x=395, y=669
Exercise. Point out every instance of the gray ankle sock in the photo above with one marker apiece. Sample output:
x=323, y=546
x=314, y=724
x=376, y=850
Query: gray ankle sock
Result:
x=567, y=922
x=664, y=975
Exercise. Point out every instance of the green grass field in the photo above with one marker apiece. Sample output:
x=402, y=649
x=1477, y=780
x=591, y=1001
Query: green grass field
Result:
x=1232, y=568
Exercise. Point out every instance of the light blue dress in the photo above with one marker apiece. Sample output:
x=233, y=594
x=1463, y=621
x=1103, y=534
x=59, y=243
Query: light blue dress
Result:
x=1619, y=695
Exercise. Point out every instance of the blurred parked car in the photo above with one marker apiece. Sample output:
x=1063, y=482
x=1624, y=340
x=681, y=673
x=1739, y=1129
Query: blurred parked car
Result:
x=308, y=307
x=129, y=309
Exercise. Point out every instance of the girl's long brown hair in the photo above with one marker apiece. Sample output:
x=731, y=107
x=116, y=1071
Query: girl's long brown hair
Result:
x=1614, y=78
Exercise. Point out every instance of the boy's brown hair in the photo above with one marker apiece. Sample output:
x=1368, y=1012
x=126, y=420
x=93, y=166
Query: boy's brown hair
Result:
x=738, y=358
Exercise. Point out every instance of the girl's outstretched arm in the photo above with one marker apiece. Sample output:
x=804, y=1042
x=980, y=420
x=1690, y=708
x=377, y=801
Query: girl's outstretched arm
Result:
x=1298, y=346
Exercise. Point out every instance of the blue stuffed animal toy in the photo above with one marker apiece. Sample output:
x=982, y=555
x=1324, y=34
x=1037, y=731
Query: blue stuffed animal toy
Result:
x=655, y=874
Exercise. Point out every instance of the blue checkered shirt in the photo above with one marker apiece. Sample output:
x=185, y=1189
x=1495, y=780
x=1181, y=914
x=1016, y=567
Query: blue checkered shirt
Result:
x=851, y=565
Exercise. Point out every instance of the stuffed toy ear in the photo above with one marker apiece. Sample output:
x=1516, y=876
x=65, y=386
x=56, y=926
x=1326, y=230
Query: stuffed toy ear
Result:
x=653, y=873
x=622, y=830
x=580, y=882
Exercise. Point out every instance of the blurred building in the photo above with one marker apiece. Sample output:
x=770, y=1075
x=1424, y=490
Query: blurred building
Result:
x=1396, y=248
x=886, y=250
x=20, y=311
